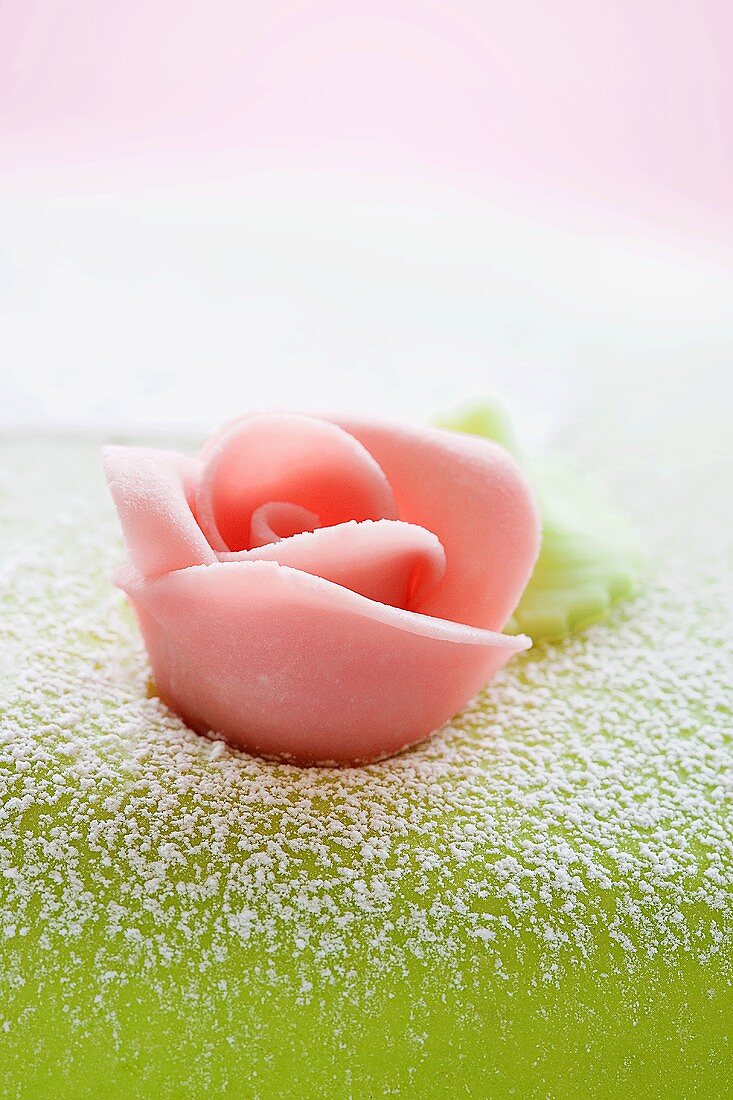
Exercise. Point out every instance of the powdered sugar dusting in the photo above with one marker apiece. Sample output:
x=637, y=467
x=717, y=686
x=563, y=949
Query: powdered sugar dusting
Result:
x=586, y=797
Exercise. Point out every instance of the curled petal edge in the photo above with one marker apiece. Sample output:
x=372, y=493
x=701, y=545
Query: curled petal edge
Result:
x=471, y=493
x=291, y=666
x=479, y=503
x=288, y=458
x=153, y=491
x=385, y=560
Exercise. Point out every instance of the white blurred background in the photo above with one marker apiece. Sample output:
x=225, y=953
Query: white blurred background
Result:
x=391, y=215
x=178, y=310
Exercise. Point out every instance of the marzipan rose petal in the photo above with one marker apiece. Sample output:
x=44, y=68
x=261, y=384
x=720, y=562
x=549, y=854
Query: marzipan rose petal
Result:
x=324, y=591
x=286, y=458
x=279, y=520
x=385, y=560
x=153, y=491
x=473, y=495
x=286, y=664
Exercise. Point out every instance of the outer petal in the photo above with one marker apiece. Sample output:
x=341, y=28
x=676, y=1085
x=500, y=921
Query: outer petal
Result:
x=476, y=499
x=385, y=560
x=153, y=491
x=286, y=458
x=289, y=665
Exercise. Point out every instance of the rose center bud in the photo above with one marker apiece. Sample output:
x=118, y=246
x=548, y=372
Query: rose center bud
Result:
x=308, y=472
x=279, y=519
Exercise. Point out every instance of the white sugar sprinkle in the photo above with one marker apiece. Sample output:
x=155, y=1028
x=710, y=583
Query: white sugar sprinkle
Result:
x=589, y=788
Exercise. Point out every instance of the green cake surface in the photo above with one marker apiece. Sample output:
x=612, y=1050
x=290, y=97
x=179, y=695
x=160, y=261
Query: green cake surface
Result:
x=538, y=902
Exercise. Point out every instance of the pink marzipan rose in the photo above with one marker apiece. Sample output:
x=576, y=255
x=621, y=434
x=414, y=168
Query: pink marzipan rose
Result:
x=324, y=591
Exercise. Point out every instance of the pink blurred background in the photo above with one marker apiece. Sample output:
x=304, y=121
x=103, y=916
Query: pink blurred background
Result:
x=605, y=121
x=627, y=105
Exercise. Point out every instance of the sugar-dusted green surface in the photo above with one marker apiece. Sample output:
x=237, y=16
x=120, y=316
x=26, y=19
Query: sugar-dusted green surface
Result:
x=590, y=557
x=536, y=903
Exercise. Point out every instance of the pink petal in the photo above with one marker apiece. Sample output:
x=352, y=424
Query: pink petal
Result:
x=279, y=520
x=385, y=560
x=153, y=491
x=296, y=459
x=286, y=664
x=474, y=496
